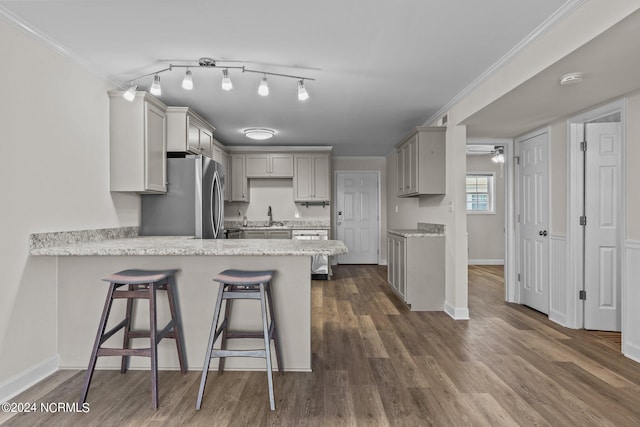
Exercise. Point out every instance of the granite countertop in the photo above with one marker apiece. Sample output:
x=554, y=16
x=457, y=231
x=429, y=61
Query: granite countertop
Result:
x=424, y=229
x=414, y=233
x=185, y=245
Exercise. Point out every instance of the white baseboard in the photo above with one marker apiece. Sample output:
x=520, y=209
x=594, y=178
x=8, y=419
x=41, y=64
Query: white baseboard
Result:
x=382, y=261
x=486, y=262
x=456, y=313
x=22, y=381
x=631, y=351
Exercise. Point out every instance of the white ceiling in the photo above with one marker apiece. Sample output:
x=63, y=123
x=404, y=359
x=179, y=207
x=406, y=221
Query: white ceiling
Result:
x=381, y=67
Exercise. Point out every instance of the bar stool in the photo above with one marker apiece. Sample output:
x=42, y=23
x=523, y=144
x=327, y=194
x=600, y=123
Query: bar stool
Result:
x=141, y=284
x=240, y=284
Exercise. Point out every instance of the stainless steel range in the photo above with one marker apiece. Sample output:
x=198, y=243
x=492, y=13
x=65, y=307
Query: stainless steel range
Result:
x=320, y=269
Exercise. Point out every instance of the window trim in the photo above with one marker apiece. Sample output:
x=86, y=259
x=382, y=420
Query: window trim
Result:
x=492, y=192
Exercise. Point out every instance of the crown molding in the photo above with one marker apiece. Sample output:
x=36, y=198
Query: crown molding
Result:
x=278, y=148
x=565, y=10
x=14, y=20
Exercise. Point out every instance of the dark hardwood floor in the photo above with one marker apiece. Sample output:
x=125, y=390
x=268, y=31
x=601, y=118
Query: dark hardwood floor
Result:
x=376, y=363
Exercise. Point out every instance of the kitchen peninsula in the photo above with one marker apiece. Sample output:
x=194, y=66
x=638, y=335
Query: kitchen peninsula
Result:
x=84, y=257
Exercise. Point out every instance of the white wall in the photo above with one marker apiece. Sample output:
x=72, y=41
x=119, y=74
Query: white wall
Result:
x=54, y=170
x=486, y=231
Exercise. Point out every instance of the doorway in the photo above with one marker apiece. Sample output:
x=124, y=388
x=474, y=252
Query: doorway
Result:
x=598, y=146
x=357, y=216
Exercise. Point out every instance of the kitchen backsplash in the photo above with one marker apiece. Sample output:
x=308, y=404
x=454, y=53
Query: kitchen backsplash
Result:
x=277, y=193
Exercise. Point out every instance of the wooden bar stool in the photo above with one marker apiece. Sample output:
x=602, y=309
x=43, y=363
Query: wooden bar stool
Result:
x=141, y=284
x=240, y=284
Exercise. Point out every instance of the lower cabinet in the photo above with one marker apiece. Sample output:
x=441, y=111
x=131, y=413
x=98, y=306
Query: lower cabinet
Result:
x=415, y=270
x=266, y=234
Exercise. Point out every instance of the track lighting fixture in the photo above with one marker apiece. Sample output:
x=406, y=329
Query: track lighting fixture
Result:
x=498, y=154
x=263, y=89
x=187, y=82
x=156, y=89
x=130, y=94
x=209, y=63
x=302, y=92
x=226, y=80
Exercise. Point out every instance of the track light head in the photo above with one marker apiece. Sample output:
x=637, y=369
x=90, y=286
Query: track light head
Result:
x=303, y=95
x=130, y=94
x=187, y=82
x=263, y=89
x=156, y=89
x=226, y=80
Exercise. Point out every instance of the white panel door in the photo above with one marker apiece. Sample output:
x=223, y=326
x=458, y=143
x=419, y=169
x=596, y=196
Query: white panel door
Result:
x=533, y=211
x=357, y=216
x=602, y=205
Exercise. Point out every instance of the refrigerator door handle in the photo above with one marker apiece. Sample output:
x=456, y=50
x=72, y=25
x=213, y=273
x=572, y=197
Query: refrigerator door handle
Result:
x=220, y=218
x=213, y=201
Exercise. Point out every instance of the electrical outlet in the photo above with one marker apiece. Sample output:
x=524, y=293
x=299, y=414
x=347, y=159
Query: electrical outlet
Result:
x=396, y=208
x=451, y=206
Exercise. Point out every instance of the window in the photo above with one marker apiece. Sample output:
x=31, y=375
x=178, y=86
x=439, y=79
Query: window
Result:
x=480, y=191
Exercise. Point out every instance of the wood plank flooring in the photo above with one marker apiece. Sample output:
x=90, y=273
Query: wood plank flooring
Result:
x=377, y=364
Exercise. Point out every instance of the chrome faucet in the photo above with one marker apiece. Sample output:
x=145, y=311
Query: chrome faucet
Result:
x=270, y=217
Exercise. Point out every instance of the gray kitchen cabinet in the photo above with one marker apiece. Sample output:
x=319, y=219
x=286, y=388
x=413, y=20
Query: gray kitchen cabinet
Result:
x=415, y=270
x=266, y=234
x=421, y=162
x=137, y=144
x=279, y=234
x=227, y=175
x=187, y=132
x=239, y=182
x=269, y=165
x=254, y=234
x=311, y=178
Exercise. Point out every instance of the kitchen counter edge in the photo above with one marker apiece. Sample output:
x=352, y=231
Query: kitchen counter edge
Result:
x=190, y=246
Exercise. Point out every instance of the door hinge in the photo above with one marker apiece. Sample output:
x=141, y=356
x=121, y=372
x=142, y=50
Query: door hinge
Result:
x=583, y=146
x=518, y=277
x=582, y=295
x=583, y=220
x=518, y=217
x=517, y=159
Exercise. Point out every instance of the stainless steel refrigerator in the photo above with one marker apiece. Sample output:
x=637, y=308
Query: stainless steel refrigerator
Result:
x=193, y=204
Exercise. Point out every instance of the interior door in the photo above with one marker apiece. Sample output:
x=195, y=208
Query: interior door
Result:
x=602, y=230
x=357, y=222
x=533, y=216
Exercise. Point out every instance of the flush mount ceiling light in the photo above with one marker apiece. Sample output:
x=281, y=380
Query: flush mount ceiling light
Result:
x=571, y=79
x=259, y=133
x=209, y=63
x=498, y=154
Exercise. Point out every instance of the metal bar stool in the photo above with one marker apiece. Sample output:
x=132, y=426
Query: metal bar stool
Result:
x=240, y=284
x=141, y=284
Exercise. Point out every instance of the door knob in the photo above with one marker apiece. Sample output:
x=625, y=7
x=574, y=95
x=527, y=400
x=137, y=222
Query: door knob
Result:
x=543, y=233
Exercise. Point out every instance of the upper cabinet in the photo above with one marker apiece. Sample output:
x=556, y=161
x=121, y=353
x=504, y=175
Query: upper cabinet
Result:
x=421, y=162
x=227, y=175
x=138, y=140
x=269, y=165
x=311, y=181
x=239, y=182
x=188, y=132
